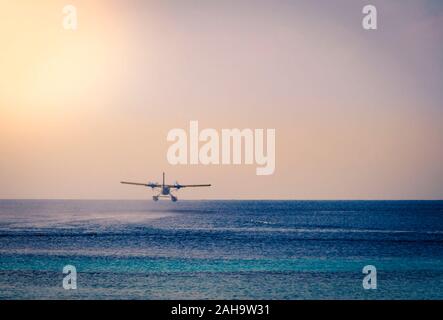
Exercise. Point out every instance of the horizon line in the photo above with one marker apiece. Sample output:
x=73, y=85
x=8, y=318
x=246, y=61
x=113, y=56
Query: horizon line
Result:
x=219, y=199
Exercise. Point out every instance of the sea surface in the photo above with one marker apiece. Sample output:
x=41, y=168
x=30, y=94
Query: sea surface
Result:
x=221, y=249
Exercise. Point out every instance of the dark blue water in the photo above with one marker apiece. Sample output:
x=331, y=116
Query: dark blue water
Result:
x=221, y=249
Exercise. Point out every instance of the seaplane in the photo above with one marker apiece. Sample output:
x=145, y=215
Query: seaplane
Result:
x=165, y=190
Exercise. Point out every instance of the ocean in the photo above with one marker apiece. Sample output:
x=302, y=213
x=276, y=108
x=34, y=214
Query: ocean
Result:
x=221, y=249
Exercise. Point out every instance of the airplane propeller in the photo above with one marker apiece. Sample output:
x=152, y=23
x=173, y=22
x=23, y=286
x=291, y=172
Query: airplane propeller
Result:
x=177, y=185
x=152, y=184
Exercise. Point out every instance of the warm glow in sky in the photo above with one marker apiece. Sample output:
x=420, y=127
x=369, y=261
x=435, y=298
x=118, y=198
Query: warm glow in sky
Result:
x=358, y=114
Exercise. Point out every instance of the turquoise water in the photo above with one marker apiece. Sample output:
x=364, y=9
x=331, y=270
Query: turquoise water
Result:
x=221, y=249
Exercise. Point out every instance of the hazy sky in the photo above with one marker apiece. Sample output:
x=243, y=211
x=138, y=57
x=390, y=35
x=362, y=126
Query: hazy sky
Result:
x=358, y=114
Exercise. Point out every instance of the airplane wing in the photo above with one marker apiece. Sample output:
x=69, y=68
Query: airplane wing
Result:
x=179, y=186
x=151, y=185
